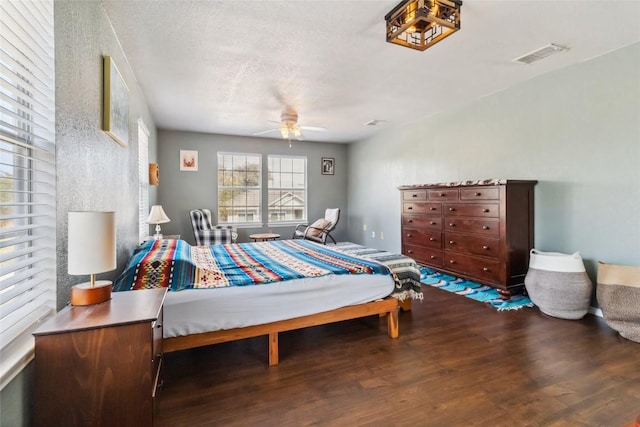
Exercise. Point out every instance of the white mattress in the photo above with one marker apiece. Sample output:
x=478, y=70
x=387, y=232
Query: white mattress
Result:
x=203, y=310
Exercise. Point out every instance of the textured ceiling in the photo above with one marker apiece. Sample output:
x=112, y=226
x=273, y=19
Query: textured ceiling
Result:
x=231, y=67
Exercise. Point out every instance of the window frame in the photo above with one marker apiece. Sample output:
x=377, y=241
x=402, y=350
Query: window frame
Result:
x=143, y=180
x=259, y=188
x=292, y=188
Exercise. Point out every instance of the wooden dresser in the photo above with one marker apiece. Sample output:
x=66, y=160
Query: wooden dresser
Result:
x=482, y=231
x=99, y=365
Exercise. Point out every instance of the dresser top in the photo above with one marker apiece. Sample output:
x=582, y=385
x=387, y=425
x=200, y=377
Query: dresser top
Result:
x=481, y=182
x=123, y=308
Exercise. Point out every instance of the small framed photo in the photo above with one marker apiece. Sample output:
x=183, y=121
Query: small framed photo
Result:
x=328, y=165
x=115, y=109
x=188, y=160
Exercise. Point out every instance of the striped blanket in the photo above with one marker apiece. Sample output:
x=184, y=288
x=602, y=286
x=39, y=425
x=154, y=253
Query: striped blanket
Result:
x=177, y=265
x=405, y=271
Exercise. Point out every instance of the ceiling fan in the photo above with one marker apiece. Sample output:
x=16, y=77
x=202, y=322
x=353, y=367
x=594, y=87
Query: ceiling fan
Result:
x=289, y=127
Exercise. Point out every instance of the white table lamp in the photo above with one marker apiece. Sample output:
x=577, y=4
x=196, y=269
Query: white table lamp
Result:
x=92, y=250
x=157, y=217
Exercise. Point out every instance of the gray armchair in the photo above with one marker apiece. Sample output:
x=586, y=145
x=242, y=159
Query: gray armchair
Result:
x=321, y=229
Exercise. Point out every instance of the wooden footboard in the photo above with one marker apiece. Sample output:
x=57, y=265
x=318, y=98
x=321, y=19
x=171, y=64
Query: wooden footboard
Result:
x=387, y=306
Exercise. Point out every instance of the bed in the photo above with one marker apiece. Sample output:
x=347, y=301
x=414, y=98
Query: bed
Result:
x=227, y=292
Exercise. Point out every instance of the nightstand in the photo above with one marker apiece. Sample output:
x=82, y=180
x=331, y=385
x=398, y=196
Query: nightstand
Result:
x=164, y=237
x=100, y=364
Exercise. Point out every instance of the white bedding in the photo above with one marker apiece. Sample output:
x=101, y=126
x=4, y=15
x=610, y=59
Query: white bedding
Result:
x=203, y=310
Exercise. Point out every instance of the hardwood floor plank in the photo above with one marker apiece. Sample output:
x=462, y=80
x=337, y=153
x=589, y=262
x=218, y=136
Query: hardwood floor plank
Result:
x=457, y=362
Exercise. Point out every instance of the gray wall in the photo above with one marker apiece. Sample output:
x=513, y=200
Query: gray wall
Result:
x=181, y=191
x=93, y=172
x=576, y=131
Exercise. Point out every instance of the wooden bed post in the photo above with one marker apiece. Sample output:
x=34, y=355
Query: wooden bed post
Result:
x=392, y=324
x=273, y=349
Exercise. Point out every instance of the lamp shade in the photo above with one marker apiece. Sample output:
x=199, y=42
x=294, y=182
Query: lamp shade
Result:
x=157, y=215
x=92, y=242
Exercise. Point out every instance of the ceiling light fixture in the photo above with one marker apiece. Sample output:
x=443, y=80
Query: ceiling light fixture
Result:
x=419, y=24
x=290, y=127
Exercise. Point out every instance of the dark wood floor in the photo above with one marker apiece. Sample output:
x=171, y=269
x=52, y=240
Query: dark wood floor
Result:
x=457, y=362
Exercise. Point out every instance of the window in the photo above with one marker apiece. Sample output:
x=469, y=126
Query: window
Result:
x=143, y=180
x=287, y=189
x=27, y=178
x=239, y=188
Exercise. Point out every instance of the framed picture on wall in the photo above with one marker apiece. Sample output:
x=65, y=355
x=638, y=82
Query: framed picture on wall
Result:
x=328, y=165
x=115, y=108
x=188, y=160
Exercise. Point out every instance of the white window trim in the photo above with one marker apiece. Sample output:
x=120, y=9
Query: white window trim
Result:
x=260, y=189
x=289, y=223
x=143, y=176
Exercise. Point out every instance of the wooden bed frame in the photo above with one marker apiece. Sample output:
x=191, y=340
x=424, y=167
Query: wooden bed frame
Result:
x=387, y=307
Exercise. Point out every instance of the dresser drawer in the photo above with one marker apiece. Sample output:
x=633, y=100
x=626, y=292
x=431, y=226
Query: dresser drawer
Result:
x=486, y=227
x=442, y=195
x=479, y=194
x=418, y=237
x=491, y=210
x=423, y=255
x=414, y=195
x=422, y=208
x=416, y=221
x=476, y=268
x=477, y=245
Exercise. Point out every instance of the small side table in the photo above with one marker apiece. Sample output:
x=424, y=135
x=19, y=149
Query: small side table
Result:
x=263, y=237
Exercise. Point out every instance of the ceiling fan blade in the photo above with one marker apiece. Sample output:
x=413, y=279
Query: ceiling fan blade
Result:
x=266, y=131
x=314, y=128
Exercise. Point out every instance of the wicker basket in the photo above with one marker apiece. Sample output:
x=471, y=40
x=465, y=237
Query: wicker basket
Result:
x=558, y=284
x=618, y=293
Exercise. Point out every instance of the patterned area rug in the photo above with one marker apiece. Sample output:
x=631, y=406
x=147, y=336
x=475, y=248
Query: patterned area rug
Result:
x=472, y=290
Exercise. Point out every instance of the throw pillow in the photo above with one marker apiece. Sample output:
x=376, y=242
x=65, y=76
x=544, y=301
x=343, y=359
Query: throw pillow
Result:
x=315, y=229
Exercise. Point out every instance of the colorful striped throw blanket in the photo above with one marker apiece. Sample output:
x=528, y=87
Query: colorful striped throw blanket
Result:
x=177, y=265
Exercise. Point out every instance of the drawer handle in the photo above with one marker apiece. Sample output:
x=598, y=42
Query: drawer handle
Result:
x=431, y=239
x=409, y=251
x=414, y=195
x=432, y=257
x=485, y=247
x=485, y=269
x=409, y=235
x=451, y=261
x=485, y=227
x=478, y=194
x=409, y=207
x=452, y=209
x=432, y=208
x=451, y=224
x=485, y=210
x=442, y=195
x=451, y=242
x=410, y=220
x=432, y=223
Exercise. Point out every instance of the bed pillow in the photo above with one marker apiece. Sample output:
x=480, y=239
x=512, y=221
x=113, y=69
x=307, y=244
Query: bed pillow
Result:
x=321, y=224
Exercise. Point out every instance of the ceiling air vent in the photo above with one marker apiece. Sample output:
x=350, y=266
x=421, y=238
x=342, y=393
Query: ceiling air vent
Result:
x=543, y=52
x=373, y=122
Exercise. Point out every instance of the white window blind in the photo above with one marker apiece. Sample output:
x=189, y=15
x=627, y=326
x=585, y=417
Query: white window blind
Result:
x=143, y=174
x=287, y=189
x=27, y=178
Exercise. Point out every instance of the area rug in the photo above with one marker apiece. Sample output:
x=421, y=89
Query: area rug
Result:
x=472, y=290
